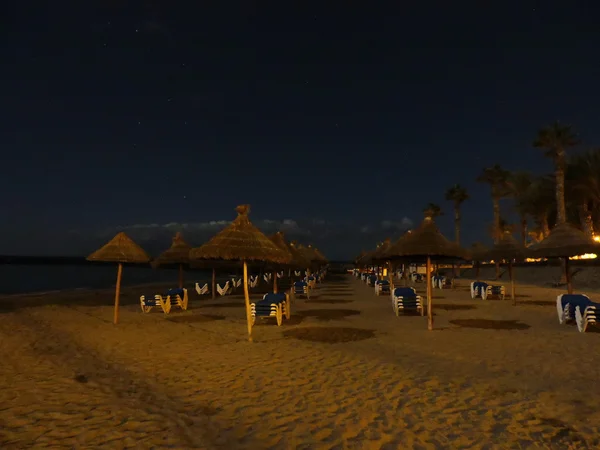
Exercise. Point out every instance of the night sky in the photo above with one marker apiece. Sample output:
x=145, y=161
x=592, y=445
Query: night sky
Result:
x=337, y=124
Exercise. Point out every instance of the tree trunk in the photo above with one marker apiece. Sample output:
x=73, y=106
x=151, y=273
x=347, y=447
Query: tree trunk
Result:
x=561, y=213
x=496, y=205
x=544, y=225
x=585, y=216
x=457, y=224
x=523, y=230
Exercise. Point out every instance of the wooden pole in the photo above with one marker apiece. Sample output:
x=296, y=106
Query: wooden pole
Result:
x=275, y=282
x=568, y=276
x=247, y=300
x=429, y=306
x=180, y=276
x=512, y=283
x=118, y=293
x=213, y=288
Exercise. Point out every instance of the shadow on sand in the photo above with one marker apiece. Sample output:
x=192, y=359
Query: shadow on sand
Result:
x=539, y=302
x=329, y=335
x=328, y=314
x=487, y=324
x=453, y=307
x=329, y=301
x=195, y=318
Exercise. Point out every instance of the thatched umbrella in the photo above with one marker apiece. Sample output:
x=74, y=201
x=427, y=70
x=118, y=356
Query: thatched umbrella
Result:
x=298, y=259
x=241, y=241
x=178, y=253
x=564, y=241
x=307, y=254
x=120, y=249
x=426, y=242
x=478, y=250
x=506, y=249
x=359, y=257
x=279, y=241
x=320, y=255
x=379, y=255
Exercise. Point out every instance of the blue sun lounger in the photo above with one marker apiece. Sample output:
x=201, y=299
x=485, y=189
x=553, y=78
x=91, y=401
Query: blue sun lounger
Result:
x=301, y=288
x=587, y=316
x=405, y=299
x=437, y=281
x=177, y=297
x=147, y=302
x=484, y=290
x=382, y=287
x=271, y=305
x=566, y=304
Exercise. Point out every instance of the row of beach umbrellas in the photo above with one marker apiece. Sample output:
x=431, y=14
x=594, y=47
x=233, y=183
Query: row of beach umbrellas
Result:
x=240, y=243
x=427, y=243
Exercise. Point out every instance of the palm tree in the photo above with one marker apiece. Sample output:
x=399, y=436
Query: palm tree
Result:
x=434, y=210
x=458, y=195
x=519, y=187
x=582, y=182
x=540, y=203
x=497, y=178
x=556, y=139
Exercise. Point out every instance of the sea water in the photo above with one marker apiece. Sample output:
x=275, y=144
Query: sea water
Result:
x=24, y=278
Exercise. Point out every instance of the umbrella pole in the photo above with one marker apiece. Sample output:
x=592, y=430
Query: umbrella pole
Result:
x=429, y=306
x=247, y=301
x=391, y=275
x=275, y=282
x=118, y=293
x=512, y=283
x=568, y=276
x=180, y=276
x=213, y=287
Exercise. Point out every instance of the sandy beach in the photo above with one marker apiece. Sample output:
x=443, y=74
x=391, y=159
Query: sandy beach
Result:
x=343, y=373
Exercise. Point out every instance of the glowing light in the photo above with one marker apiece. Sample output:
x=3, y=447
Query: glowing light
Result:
x=596, y=238
x=585, y=256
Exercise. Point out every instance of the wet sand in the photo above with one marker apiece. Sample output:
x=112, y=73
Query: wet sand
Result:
x=344, y=372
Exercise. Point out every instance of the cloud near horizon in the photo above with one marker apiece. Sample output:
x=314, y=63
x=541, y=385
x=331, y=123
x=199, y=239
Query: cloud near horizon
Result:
x=340, y=241
x=336, y=240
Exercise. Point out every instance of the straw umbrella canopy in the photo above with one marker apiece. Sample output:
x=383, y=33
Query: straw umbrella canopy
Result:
x=426, y=242
x=241, y=241
x=120, y=249
x=380, y=254
x=178, y=253
x=279, y=241
x=564, y=241
x=507, y=248
x=320, y=255
x=367, y=258
x=359, y=257
x=477, y=251
x=307, y=254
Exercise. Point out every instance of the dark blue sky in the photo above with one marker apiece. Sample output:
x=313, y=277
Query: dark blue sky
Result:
x=335, y=118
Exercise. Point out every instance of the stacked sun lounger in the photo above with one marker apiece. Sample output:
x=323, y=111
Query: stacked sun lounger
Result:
x=405, y=299
x=382, y=287
x=301, y=288
x=480, y=289
x=416, y=277
x=438, y=281
x=272, y=305
x=173, y=297
x=578, y=308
